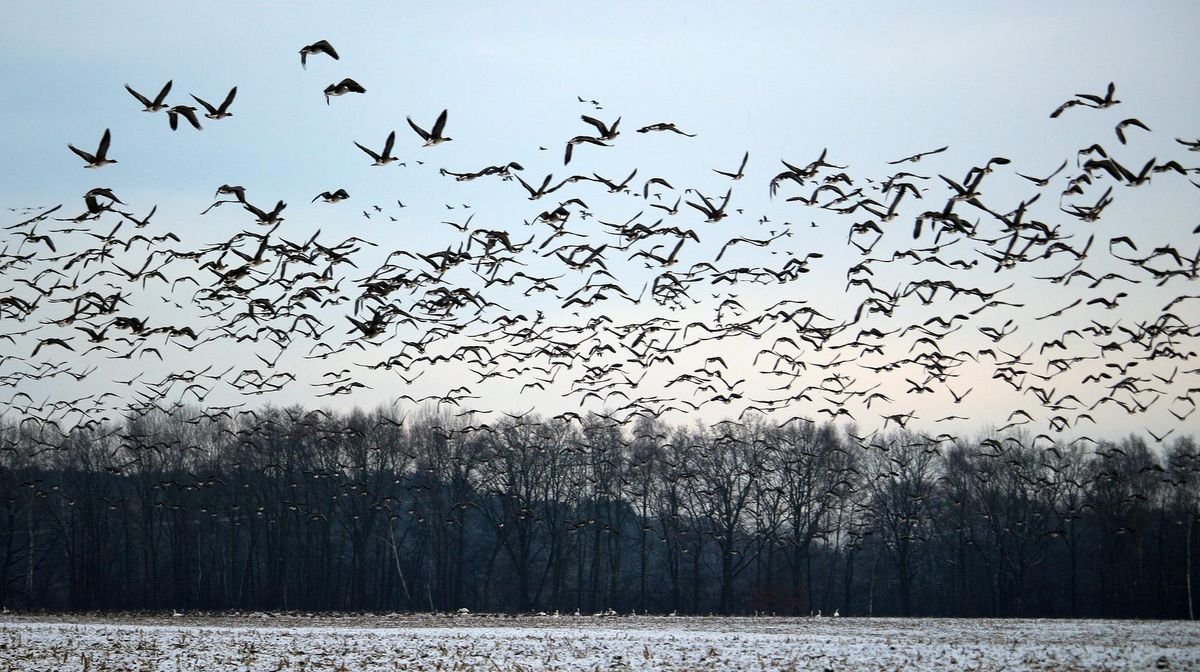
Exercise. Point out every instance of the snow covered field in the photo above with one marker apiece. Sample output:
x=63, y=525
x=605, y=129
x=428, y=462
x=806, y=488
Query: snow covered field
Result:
x=267, y=643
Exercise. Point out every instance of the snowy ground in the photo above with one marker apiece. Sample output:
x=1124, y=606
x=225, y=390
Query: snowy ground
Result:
x=269, y=643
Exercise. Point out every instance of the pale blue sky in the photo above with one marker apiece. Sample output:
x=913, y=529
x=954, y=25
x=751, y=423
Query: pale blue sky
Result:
x=872, y=82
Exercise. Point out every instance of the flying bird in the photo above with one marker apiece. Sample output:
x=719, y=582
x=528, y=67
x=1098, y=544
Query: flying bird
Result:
x=156, y=105
x=664, y=126
x=1043, y=181
x=712, y=213
x=1127, y=123
x=1088, y=100
x=606, y=132
x=343, y=87
x=221, y=111
x=918, y=156
x=319, y=47
x=187, y=112
x=434, y=136
x=741, y=171
x=100, y=158
x=332, y=196
x=385, y=157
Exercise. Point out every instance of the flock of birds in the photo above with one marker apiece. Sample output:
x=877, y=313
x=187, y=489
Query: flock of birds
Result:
x=90, y=290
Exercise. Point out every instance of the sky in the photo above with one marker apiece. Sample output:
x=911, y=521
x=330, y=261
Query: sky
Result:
x=782, y=81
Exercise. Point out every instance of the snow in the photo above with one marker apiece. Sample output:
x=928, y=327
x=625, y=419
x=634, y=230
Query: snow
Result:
x=270, y=643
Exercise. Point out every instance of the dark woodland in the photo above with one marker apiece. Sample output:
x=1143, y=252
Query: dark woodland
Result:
x=287, y=509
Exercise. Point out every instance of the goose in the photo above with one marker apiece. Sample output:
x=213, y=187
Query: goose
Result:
x=221, y=111
x=741, y=171
x=100, y=158
x=343, y=87
x=664, y=126
x=1120, y=129
x=580, y=139
x=713, y=213
x=156, y=105
x=434, y=136
x=187, y=112
x=385, y=157
x=266, y=218
x=318, y=47
x=606, y=132
x=332, y=196
x=918, y=156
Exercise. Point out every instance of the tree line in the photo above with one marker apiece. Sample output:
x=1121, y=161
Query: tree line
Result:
x=288, y=509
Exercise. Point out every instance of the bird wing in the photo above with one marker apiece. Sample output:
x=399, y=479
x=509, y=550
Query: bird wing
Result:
x=326, y=47
x=102, y=150
x=210, y=108
x=82, y=154
x=369, y=152
x=228, y=99
x=141, y=99
x=420, y=131
x=600, y=126
x=439, y=125
x=163, y=94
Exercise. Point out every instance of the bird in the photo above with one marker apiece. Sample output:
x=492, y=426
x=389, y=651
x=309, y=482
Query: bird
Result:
x=1043, y=181
x=385, y=157
x=237, y=191
x=343, y=87
x=1088, y=100
x=156, y=105
x=918, y=156
x=713, y=213
x=434, y=136
x=606, y=132
x=187, y=112
x=318, y=47
x=221, y=111
x=1120, y=129
x=580, y=139
x=664, y=126
x=741, y=171
x=100, y=158
x=266, y=218
x=332, y=196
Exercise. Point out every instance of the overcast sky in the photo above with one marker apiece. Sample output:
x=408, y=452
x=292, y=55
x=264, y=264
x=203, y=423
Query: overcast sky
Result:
x=872, y=83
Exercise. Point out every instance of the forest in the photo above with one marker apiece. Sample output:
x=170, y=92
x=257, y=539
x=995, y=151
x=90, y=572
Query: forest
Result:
x=314, y=510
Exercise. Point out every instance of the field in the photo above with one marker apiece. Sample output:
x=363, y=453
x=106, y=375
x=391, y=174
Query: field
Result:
x=270, y=642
